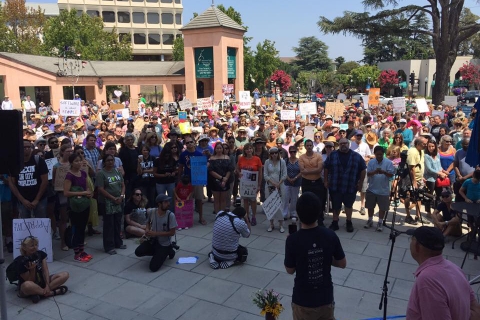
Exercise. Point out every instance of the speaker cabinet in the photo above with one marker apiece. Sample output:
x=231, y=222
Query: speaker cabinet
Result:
x=11, y=146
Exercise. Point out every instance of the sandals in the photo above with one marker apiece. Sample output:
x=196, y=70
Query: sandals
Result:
x=63, y=290
x=202, y=222
x=254, y=221
x=112, y=252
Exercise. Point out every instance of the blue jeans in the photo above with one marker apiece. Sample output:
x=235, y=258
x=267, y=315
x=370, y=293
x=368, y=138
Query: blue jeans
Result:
x=40, y=210
x=167, y=188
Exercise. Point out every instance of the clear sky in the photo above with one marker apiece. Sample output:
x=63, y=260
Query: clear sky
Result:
x=286, y=21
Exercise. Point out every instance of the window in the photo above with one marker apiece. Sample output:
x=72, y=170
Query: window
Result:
x=122, y=36
x=178, y=1
x=93, y=13
x=153, y=38
x=108, y=16
x=79, y=13
x=137, y=0
x=138, y=17
x=168, y=39
x=166, y=1
x=153, y=18
x=167, y=18
x=178, y=18
x=139, y=38
x=123, y=17
x=152, y=1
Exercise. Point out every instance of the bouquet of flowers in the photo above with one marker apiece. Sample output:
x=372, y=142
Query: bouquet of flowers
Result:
x=269, y=302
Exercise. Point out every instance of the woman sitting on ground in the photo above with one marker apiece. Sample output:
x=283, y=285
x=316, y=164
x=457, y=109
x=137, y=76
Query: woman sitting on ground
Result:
x=35, y=280
x=136, y=213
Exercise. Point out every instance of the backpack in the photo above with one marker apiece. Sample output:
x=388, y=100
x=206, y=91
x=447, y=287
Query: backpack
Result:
x=12, y=272
x=232, y=218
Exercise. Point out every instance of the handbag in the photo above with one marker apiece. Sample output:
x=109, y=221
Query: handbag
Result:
x=442, y=183
x=78, y=203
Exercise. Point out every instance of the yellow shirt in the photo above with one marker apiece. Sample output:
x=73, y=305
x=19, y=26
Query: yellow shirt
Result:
x=417, y=159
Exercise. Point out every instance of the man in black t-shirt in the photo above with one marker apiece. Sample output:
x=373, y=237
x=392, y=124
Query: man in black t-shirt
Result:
x=310, y=253
x=30, y=184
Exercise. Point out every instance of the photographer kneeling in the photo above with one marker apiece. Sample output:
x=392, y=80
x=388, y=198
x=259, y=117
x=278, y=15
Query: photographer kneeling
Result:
x=35, y=280
x=228, y=227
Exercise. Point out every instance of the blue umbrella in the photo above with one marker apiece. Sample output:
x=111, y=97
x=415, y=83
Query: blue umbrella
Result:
x=472, y=157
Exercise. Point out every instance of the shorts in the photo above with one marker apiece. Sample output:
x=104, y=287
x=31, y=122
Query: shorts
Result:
x=198, y=192
x=365, y=185
x=346, y=198
x=372, y=199
x=322, y=312
x=405, y=184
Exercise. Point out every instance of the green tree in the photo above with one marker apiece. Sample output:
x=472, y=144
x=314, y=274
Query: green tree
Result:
x=25, y=24
x=443, y=29
x=7, y=37
x=364, y=74
x=312, y=54
x=178, y=49
x=347, y=67
x=266, y=61
x=339, y=60
x=86, y=35
x=470, y=46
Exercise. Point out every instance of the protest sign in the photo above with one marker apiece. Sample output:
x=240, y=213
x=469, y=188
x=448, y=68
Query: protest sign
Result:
x=272, y=205
x=227, y=88
x=185, y=127
x=309, y=132
x=126, y=113
x=373, y=96
x=344, y=126
x=50, y=163
x=182, y=116
x=467, y=110
x=365, y=102
x=335, y=109
x=138, y=124
x=60, y=174
x=133, y=105
x=184, y=213
x=244, y=100
x=116, y=106
x=451, y=101
x=204, y=103
x=308, y=108
x=342, y=96
x=399, y=105
x=171, y=107
x=185, y=104
x=39, y=228
x=422, y=105
x=249, y=184
x=439, y=113
x=287, y=115
x=198, y=168
x=70, y=108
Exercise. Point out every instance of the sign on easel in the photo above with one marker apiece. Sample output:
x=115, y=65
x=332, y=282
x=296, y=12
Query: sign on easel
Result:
x=40, y=228
x=184, y=213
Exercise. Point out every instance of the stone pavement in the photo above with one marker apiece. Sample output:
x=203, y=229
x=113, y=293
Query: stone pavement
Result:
x=120, y=287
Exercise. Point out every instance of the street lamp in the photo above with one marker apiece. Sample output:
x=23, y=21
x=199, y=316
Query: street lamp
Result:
x=298, y=90
x=426, y=81
x=70, y=65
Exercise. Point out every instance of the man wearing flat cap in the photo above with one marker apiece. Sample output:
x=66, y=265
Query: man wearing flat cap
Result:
x=441, y=290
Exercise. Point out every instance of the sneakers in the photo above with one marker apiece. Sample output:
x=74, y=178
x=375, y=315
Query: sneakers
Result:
x=410, y=220
x=86, y=256
x=334, y=226
x=362, y=211
x=171, y=255
x=282, y=230
x=380, y=227
x=369, y=224
x=349, y=226
x=270, y=229
x=80, y=258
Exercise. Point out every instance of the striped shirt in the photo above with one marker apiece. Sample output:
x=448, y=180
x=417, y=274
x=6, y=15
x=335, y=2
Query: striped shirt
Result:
x=225, y=238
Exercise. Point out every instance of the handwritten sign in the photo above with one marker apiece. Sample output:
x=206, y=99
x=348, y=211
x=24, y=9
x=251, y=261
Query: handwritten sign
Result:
x=308, y=108
x=185, y=104
x=39, y=228
x=185, y=127
x=272, y=205
x=133, y=105
x=439, y=113
x=182, y=116
x=227, y=88
x=309, y=132
x=70, y=108
x=373, y=96
x=422, y=105
x=399, y=105
x=184, y=213
x=451, y=101
x=60, y=174
x=244, y=99
x=287, y=115
x=126, y=113
x=198, y=167
x=336, y=109
x=365, y=102
x=248, y=184
x=50, y=163
x=117, y=106
x=204, y=103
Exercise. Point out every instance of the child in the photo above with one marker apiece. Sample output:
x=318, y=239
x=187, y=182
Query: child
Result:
x=470, y=189
x=184, y=189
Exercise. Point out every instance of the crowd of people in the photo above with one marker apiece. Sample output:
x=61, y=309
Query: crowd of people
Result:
x=131, y=171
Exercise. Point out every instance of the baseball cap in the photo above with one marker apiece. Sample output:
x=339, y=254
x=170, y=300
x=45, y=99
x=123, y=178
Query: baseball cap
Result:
x=162, y=197
x=91, y=128
x=429, y=237
x=359, y=132
x=403, y=121
x=280, y=140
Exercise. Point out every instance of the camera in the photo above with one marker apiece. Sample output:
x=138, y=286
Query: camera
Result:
x=238, y=202
x=175, y=246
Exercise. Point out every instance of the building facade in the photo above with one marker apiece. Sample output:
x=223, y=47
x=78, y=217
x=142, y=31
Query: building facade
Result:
x=152, y=25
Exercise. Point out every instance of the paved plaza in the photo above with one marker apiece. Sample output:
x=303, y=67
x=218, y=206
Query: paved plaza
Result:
x=120, y=287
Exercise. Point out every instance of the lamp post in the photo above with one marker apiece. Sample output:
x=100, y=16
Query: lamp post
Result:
x=426, y=82
x=399, y=85
x=70, y=65
x=298, y=90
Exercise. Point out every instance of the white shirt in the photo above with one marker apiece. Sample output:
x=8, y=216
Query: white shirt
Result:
x=363, y=149
x=29, y=106
x=7, y=105
x=251, y=131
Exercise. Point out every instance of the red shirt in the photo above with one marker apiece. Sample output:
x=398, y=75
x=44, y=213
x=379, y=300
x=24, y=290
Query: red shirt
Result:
x=183, y=191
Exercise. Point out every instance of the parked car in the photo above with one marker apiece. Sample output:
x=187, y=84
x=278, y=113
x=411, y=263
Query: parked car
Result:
x=384, y=100
x=471, y=95
x=358, y=96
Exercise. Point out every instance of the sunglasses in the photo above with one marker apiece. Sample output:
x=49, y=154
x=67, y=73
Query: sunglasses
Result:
x=138, y=194
x=317, y=137
x=328, y=146
x=445, y=196
x=273, y=152
x=448, y=141
x=189, y=142
x=293, y=151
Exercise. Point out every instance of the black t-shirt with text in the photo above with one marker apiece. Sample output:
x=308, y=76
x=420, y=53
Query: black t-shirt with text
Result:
x=311, y=252
x=22, y=262
x=29, y=179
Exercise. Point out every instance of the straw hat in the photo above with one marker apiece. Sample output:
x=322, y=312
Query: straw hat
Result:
x=371, y=138
x=78, y=125
x=331, y=139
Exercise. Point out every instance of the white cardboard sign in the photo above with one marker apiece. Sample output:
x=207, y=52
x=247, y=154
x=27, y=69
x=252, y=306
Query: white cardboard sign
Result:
x=308, y=108
x=287, y=115
x=39, y=228
x=451, y=101
x=70, y=108
x=272, y=204
x=439, y=113
x=204, y=103
x=249, y=184
x=399, y=105
x=244, y=100
x=422, y=105
x=185, y=104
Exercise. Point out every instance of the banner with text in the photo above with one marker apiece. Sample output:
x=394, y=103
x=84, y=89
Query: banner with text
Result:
x=287, y=115
x=39, y=228
x=308, y=108
x=399, y=105
x=70, y=108
x=244, y=99
x=185, y=104
x=198, y=167
x=204, y=103
x=248, y=184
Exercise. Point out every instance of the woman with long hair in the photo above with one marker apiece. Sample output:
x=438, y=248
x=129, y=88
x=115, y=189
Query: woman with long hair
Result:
x=165, y=171
x=292, y=184
x=111, y=192
x=398, y=142
x=136, y=213
x=433, y=170
x=76, y=187
x=251, y=163
x=446, y=152
x=275, y=173
x=153, y=143
x=104, y=127
x=146, y=180
x=111, y=149
x=59, y=172
x=219, y=170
